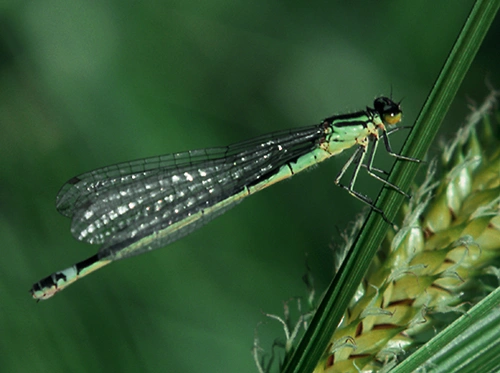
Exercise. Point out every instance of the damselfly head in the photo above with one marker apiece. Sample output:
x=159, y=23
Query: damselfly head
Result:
x=389, y=111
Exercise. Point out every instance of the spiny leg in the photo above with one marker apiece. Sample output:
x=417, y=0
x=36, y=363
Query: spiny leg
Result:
x=391, y=131
x=374, y=169
x=357, y=159
x=370, y=169
x=391, y=152
x=355, y=155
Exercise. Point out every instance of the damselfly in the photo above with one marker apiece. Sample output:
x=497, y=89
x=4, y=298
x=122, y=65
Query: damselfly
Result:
x=138, y=206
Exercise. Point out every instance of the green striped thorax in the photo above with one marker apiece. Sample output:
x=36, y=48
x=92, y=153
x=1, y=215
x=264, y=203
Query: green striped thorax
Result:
x=347, y=130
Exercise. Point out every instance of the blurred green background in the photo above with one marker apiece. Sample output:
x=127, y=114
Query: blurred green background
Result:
x=87, y=84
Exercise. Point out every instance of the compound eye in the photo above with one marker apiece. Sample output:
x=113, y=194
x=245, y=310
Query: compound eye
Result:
x=391, y=117
x=389, y=111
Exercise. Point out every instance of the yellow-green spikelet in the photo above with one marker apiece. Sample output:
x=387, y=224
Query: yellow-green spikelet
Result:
x=449, y=234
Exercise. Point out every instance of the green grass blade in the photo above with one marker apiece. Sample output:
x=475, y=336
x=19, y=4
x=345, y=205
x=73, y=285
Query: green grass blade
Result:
x=337, y=297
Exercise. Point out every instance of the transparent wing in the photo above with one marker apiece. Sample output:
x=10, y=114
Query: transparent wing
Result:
x=127, y=201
